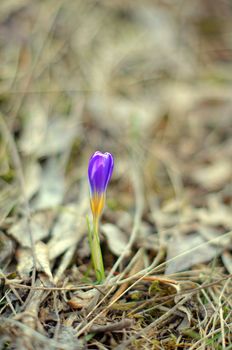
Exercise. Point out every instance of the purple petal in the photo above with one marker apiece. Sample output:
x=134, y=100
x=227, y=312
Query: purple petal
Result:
x=100, y=171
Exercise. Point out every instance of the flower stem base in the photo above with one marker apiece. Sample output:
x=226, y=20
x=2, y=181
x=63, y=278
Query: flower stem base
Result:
x=96, y=255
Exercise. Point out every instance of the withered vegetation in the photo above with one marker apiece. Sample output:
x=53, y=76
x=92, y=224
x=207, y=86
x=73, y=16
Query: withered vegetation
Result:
x=150, y=82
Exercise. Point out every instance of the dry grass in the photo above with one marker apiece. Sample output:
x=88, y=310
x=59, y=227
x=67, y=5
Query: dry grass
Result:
x=149, y=82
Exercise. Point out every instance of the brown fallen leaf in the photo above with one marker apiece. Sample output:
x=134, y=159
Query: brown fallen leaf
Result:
x=180, y=245
x=42, y=259
x=25, y=261
x=215, y=214
x=116, y=239
x=32, y=178
x=82, y=300
x=33, y=128
x=215, y=175
x=8, y=199
x=7, y=248
x=113, y=327
x=52, y=185
x=68, y=230
x=227, y=260
x=40, y=225
x=58, y=136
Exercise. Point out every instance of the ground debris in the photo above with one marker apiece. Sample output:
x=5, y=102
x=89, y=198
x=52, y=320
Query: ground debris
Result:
x=152, y=85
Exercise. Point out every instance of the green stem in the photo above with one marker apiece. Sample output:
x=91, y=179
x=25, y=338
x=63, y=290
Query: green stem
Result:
x=95, y=248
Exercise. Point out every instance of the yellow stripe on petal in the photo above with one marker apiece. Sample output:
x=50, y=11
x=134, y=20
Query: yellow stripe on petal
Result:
x=97, y=204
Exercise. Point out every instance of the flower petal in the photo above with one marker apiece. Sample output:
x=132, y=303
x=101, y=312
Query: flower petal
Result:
x=100, y=171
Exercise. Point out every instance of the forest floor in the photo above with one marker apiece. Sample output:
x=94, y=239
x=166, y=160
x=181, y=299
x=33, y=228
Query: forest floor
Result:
x=151, y=83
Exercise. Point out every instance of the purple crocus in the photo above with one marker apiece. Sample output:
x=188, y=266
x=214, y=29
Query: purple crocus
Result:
x=100, y=170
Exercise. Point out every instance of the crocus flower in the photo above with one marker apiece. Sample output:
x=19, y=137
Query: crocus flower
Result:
x=100, y=170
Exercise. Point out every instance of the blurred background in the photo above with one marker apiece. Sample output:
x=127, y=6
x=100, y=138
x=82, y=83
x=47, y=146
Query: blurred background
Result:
x=148, y=81
x=148, y=78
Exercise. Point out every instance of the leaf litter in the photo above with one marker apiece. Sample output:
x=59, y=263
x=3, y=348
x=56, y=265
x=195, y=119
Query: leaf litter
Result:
x=150, y=84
